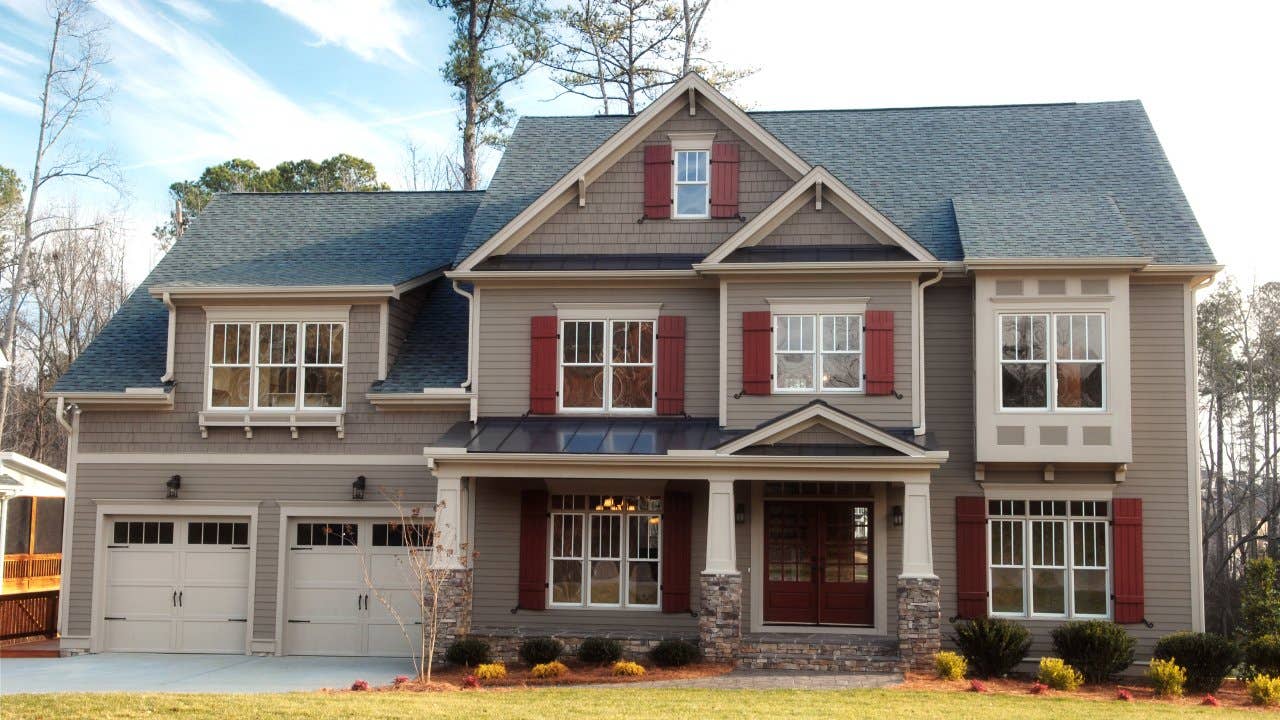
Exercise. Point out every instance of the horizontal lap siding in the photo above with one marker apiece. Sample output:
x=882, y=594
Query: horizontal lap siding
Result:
x=817, y=227
x=895, y=295
x=267, y=484
x=615, y=202
x=503, y=378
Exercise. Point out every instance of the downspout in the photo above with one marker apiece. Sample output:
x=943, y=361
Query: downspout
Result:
x=471, y=345
x=168, y=355
x=920, y=343
x=57, y=413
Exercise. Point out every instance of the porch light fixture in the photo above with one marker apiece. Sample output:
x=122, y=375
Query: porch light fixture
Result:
x=171, y=486
x=357, y=489
x=897, y=516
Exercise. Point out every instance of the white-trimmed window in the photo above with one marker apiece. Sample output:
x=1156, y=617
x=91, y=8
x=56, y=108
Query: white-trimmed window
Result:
x=276, y=366
x=1063, y=373
x=692, y=177
x=1049, y=558
x=605, y=551
x=817, y=353
x=607, y=365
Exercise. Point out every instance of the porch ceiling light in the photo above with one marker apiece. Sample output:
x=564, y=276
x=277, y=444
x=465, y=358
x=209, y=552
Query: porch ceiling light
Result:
x=171, y=486
x=357, y=489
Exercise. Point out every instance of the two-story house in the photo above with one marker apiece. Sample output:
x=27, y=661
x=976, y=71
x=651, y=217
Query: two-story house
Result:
x=803, y=386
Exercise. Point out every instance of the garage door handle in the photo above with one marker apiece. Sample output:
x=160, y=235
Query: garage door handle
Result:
x=175, y=598
x=237, y=619
x=299, y=621
x=179, y=598
x=114, y=618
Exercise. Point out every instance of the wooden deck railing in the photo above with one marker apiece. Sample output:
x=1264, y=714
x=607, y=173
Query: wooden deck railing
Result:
x=29, y=615
x=29, y=573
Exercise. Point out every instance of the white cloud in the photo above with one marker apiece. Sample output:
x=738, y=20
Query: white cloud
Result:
x=372, y=29
x=13, y=56
x=191, y=10
x=18, y=105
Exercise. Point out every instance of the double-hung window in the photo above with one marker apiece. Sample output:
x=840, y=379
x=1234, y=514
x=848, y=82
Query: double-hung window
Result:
x=1043, y=373
x=693, y=183
x=276, y=365
x=1049, y=558
x=605, y=551
x=607, y=365
x=817, y=353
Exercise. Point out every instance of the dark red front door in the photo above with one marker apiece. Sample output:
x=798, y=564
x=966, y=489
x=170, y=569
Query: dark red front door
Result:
x=818, y=563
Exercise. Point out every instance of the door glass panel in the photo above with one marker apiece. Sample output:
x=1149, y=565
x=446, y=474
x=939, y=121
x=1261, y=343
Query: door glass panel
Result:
x=847, y=545
x=788, y=548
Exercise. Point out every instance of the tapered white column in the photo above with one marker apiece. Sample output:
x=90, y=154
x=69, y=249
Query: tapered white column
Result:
x=917, y=531
x=447, y=535
x=722, y=552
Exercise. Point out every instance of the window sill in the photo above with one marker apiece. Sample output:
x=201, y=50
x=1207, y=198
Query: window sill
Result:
x=293, y=420
x=605, y=608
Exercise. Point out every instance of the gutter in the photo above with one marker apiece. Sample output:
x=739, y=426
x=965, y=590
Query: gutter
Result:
x=920, y=378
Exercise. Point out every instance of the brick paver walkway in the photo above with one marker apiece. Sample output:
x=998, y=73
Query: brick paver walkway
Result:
x=777, y=680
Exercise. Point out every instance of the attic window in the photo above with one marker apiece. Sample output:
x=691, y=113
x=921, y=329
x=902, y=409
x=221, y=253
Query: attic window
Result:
x=276, y=366
x=691, y=180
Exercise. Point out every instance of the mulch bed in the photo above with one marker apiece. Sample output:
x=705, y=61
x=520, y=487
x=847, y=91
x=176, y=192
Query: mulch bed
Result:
x=1232, y=693
x=451, y=677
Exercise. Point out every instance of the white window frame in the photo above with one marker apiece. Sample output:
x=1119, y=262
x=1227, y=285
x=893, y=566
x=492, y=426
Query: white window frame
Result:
x=817, y=352
x=624, y=559
x=299, y=407
x=676, y=184
x=1028, y=567
x=606, y=400
x=1050, y=362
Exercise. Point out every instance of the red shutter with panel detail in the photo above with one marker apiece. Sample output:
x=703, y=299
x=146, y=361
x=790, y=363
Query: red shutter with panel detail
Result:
x=657, y=181
x=671, y=365
x=542, y=365
x=724, y=180
x=677, y=538
x=879, y=352
x=533, y=550
x=757, y=345
x=1127, y=570
x=971, y=557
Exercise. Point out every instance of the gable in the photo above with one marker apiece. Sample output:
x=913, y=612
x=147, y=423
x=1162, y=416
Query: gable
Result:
x=820, y=426
x=809, y=226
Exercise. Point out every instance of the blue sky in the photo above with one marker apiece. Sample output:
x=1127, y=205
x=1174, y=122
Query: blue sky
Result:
x=201, y=81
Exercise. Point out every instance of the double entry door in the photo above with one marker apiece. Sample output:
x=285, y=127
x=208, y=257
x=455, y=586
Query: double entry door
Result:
x=818, y=562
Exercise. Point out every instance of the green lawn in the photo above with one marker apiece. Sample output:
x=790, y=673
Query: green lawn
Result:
x=612, y=703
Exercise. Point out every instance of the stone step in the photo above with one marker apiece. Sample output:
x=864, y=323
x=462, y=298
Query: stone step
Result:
x=827, y=652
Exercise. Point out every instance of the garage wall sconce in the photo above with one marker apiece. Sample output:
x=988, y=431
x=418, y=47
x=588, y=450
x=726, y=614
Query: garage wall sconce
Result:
x=897, y=516
x=740, y=513
x=171, y=486
x=357, y=489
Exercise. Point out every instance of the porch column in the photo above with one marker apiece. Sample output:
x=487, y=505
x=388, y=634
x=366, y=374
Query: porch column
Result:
x=447, y=540
x=720, y=589
x=450, y=557
x=919, y=590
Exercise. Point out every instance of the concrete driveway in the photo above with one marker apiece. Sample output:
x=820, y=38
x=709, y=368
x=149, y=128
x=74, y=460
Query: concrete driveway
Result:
x=128, y=672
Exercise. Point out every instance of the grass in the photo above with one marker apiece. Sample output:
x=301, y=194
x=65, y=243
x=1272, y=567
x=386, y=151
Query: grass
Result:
x=620, y=702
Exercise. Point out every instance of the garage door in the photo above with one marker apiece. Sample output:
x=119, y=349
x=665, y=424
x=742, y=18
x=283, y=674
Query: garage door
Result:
x=340, y=574
x=177, y=584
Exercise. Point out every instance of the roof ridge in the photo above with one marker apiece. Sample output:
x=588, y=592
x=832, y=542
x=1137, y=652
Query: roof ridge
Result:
x=351, y=192
x=898, y=108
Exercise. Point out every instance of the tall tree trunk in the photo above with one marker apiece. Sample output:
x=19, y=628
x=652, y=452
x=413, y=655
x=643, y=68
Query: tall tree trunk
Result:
x=470, y=143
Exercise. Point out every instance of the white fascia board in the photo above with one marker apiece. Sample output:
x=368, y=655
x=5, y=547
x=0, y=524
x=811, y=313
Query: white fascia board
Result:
x=608, y=276
x=1058, y=263
x=818, y=268
x=145, y=397
x=420, y=399
x=835, y=420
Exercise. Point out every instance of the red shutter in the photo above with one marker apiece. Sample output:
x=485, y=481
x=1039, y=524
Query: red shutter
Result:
x=671, y=365
x=533, y=550
x=1126, y=539
x=879, y=352
x=757, y=346
x=724, y=180
x=677, y=537
x=542, y=365
x=971, y=557
x=657, y=181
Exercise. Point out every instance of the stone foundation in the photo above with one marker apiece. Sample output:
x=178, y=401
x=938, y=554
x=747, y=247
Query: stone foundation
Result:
x=454, y=610
x=505, y=642
x=720, y=618
x=818, y=652
x=919, y=621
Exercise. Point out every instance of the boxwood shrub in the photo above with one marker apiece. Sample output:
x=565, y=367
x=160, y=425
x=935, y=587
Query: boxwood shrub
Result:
x=468, y=651
x=674, y=653
x=599, y=651
x=992, y=646
x=540, y=650
x=1206, y=657
x=1098, y=649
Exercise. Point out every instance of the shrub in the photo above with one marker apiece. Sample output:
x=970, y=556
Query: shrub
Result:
x=1211, y=701
x=400, y=680
x=1058, y=675
x=360, y=685
x=629, y=669
x=553, y=669
x=1167, y=677
x=541, y=650
x=1206, y=657
x=1097, y=648
x=491, y=671
x=950, y=665
x=1264, y=690
x=1263, y=655
x=675, y=653
x=600, y=651
x=991, y=646
x=1260, y=599
x=468, y=651
x=977, y=686
x=1039, y=688
x=470, y=682
x=1124, y=695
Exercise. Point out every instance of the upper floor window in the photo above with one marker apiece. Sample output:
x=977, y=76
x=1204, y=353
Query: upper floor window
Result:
x=693, y=183
x=607, y=365
x=276, y=365
x=817, y=353
x=1066, y=372
x=1049, y=557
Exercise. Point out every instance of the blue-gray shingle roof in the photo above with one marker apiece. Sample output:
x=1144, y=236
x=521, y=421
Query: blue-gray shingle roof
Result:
x=1052, y=225
x=283, y=239
x=434, y=353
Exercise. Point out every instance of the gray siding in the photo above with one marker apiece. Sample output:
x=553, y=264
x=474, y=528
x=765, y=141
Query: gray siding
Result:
x=808, y=226
x=895, y=295
x=267, y=484
x=616, y=201
x=503, y=378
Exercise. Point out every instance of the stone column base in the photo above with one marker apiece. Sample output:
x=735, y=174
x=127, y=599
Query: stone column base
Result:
x=720, y=619
x=454, y=613
x=919, y=621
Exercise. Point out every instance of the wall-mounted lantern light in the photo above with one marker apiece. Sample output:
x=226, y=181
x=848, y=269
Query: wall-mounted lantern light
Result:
x=897, y=516
x=357, y=489
x=740, y=513
x=171, y=486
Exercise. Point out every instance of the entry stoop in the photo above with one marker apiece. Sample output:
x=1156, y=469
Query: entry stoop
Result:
x=820, y=652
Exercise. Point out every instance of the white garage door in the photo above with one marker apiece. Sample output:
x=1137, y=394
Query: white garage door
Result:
x=340, y=572
x=177, y=584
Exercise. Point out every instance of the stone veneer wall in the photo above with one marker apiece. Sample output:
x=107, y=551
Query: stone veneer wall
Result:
x=919, y=621
x=720, y=619
x=820, y=652
x=454, y=611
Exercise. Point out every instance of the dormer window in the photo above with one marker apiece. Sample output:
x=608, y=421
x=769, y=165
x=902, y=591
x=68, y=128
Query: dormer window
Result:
x=276, y=366
x=693, y=184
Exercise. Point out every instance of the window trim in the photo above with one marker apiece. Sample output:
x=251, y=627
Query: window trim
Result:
x=676, y=182
x=624, y=556
x=818, y=352
x=300, y=321
x=1050, y=362
x=606, y=406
